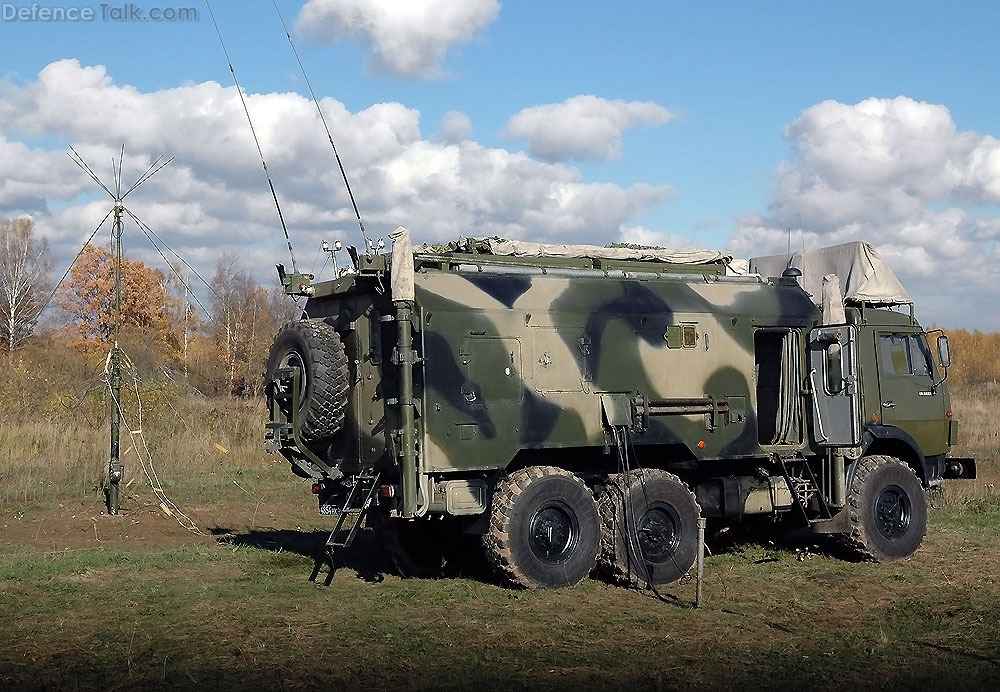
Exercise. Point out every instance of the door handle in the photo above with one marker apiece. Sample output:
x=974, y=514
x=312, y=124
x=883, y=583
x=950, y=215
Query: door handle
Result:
x=888, y=404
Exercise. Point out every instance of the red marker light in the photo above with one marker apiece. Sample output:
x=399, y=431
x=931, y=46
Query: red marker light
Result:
x=387, y=491
x=948, y=414
x=317, y=488
x=701, y=444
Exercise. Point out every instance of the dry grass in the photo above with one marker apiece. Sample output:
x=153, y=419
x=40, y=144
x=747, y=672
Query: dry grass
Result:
x=61, y=452
x=976, y=408
x=979, y=437
x=64, y=455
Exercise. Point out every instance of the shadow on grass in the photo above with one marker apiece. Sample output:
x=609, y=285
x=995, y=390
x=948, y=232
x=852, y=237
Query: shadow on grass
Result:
x=367, y=555
x=783, y=536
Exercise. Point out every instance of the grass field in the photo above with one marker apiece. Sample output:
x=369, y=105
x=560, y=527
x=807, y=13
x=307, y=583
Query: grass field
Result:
x=137, y=602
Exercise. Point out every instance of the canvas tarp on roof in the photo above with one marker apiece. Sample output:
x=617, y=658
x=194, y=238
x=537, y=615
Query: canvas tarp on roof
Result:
x=523, y=248
x=864, y=275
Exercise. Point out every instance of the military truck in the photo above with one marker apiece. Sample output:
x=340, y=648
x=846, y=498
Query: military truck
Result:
x=572, y=408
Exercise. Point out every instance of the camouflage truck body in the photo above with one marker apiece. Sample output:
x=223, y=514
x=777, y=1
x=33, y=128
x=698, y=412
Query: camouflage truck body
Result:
x=531, y=378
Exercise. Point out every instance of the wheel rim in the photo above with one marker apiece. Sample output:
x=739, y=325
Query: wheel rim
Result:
x=294, y=359
x=554, y=532
x=893, y=512
x=659, y=533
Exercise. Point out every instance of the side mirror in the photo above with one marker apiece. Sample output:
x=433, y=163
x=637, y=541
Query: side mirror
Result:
x=944, y=354
x=834, y=368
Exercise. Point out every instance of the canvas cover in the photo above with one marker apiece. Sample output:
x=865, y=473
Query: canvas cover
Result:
x=864, y=276
x=401, y=269
x=523, y=248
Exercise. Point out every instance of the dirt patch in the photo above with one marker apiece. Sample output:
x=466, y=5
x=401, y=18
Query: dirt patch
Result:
x=87, y=526
x=71, y=526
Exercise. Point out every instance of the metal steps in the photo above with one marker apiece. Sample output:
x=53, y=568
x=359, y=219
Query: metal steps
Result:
x=357, y=504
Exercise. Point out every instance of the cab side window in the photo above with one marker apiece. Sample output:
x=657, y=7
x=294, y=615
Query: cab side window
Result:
x=905, y=354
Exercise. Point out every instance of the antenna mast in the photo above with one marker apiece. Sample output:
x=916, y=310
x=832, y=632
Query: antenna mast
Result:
x=256, y=140
x=369, y=246
x=116, y=469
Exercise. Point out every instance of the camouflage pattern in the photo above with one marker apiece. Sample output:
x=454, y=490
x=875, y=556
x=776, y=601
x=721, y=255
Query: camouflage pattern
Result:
x=546, y=353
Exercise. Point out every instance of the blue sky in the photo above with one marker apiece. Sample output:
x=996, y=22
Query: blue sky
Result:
x=717, y=125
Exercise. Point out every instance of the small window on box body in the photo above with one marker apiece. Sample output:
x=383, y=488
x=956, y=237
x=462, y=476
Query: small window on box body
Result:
x=690, y=332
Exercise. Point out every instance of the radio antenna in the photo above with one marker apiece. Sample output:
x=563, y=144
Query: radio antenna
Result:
x=253, y=131
x=369, y=247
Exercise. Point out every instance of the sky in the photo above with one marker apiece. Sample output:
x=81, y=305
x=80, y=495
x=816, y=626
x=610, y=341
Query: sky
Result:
x=744, y=127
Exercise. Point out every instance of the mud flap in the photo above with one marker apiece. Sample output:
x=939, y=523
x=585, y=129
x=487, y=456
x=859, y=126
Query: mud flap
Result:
x=840, y=523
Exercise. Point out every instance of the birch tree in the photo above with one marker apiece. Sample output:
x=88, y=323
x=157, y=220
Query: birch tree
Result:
x=245, y=318
x=24, y=269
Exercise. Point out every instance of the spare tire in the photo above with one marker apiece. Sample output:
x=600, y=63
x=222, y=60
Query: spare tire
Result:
x=317, y=351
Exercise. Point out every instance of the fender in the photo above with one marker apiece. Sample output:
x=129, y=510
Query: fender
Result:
x=876, y=433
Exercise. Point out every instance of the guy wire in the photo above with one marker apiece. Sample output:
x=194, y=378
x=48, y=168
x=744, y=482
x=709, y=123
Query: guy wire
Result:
x=55, y=288
x=153, y=239
x=368, y=244
x=253, y=131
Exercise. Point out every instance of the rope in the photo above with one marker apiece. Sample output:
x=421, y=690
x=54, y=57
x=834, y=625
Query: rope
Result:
x=146, y=459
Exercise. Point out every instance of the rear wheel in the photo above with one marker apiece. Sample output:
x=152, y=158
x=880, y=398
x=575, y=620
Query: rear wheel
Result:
x=649, y=528
x=888, y=510
x=316, y=351
x=544, y=529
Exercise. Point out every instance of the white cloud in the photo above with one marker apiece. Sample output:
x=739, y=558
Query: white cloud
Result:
x=214, y=197
x=407, y=37
x=582, y=127
x=637, y=235
x=899, y=174
x=455, y=127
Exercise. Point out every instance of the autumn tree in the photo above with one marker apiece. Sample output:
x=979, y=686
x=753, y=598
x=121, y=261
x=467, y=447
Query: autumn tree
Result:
x=245, y=318
x=182, y=313
x=147, y=304
x=24, y=269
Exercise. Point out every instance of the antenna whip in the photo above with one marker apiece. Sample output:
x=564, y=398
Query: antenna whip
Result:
x=368, y=244
x=267, y=173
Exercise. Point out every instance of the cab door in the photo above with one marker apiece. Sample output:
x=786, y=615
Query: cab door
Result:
x=836, y=391
x=908, y=399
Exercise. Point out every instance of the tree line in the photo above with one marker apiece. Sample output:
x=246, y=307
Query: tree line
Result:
x=216, y=342
x=218, y=345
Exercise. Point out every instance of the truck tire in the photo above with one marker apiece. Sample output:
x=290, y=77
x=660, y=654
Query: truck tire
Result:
x=649, y=528
x=316, y=349
x=887, y=508
x=544, y=529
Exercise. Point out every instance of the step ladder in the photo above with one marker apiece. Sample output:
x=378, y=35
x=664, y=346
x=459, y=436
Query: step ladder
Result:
x=825, y=513
x=357, y=503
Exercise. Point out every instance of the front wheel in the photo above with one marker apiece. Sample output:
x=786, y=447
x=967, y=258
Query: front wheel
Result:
x=544, y=528
x=887, y=508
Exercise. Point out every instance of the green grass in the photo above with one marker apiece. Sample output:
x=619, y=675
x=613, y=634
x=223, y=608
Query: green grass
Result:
x=209, y=616
x=135, y=602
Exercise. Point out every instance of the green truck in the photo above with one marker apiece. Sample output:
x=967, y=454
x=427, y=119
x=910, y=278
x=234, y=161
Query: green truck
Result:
x=574, y=408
